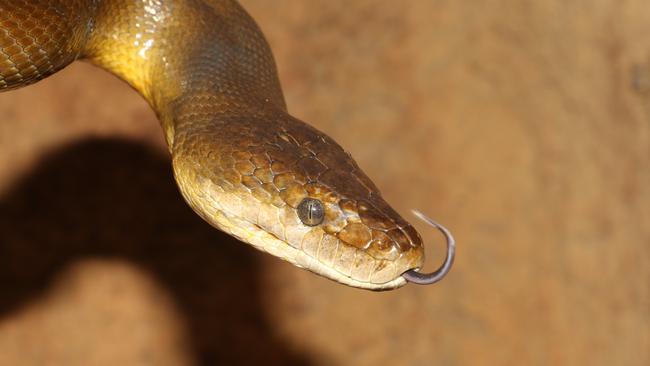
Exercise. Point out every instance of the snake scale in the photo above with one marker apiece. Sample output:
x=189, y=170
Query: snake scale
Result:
x=241, y=161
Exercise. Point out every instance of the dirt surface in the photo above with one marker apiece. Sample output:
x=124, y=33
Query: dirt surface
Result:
x=522, y=126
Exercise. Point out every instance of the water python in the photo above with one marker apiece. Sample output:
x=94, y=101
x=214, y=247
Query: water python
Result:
x=241, y=161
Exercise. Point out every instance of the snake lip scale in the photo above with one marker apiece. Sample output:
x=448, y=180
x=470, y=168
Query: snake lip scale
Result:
x=241, y=161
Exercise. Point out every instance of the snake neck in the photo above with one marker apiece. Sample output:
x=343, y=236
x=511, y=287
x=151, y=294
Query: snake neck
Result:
x=218, y=58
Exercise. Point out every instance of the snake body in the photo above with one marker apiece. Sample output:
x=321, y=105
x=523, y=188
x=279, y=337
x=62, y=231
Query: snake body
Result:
x=240, y=160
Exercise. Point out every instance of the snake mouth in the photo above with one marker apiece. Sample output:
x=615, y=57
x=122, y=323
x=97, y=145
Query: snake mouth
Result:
x=265, y=241
x=302, y=259
x=313, y=265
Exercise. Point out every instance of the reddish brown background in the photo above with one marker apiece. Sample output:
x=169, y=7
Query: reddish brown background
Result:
x=524, y=126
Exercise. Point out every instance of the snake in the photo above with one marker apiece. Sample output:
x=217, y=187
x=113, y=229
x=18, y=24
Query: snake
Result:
x=240, y=160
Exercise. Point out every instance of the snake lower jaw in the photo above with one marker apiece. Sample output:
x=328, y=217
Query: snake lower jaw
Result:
x=270, y=244
x=264, y=241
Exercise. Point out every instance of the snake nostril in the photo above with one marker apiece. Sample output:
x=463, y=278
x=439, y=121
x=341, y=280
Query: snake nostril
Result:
x=400, y=239
x=413, y=236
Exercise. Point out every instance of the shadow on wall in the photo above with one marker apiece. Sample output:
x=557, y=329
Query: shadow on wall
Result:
x=114, y=198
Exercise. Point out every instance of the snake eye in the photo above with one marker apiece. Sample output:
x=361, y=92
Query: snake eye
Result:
x=311, y=212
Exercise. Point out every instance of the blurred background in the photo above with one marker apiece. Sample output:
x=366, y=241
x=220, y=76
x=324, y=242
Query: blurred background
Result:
x=523, y=126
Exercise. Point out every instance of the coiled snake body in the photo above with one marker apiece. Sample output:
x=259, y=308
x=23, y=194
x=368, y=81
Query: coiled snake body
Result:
x=240, y=160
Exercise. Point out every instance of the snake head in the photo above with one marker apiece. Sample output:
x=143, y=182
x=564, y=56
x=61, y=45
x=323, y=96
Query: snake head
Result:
x=290, y=190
